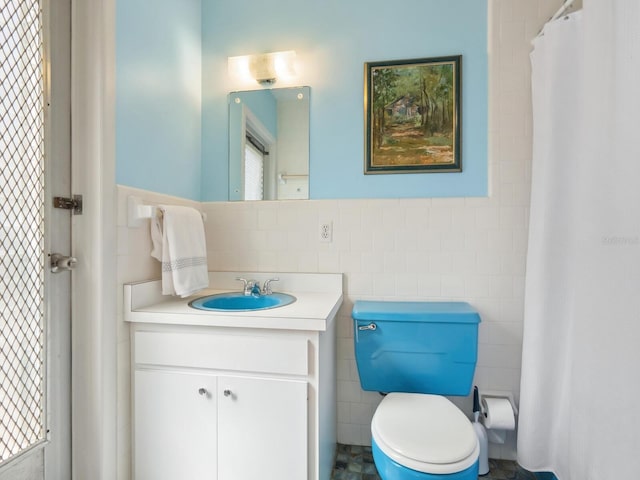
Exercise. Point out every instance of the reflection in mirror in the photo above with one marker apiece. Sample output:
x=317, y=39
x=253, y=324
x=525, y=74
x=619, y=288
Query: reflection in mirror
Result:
x=269, y=144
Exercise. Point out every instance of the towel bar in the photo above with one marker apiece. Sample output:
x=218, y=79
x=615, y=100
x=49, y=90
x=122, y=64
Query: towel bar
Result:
x=138, y=211
x=283, y=177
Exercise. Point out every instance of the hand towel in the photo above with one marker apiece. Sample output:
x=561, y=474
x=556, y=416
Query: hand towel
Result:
x=179, y=244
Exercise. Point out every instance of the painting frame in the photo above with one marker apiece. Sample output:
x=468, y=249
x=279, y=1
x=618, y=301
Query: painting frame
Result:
x=403, y=133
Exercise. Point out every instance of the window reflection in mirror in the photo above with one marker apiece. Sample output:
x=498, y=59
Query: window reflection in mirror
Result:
x=269, y=144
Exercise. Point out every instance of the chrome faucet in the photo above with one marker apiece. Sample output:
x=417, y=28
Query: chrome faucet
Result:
x=266, y=288
x=251, y=287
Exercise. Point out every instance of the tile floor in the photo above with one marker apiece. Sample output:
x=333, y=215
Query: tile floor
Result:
x=354, y=462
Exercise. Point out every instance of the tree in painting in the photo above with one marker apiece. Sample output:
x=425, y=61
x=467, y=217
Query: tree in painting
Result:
x=384, y=91
x=413, y=115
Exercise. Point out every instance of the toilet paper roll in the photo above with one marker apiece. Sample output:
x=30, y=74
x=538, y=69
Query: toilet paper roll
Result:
x=498, y=413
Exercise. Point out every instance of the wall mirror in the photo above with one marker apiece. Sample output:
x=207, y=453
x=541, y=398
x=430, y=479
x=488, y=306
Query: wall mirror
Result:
x=269, y=144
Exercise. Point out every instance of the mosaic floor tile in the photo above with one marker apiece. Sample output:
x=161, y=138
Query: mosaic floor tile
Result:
x=355, y=462
x=506, y=470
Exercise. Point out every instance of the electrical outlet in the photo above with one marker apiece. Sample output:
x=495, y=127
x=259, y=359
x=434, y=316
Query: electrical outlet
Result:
x=326, y=232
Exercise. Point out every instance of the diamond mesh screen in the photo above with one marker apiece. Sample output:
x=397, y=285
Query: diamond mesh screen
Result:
x=21, y=227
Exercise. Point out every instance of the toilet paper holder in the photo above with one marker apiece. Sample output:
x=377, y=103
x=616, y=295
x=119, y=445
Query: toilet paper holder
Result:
x=497, y=435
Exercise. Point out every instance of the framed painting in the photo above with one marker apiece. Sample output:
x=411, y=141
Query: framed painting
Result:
x=412, y=116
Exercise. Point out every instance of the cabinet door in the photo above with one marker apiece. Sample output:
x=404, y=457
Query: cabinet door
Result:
x=174, y=426
x=262, y=428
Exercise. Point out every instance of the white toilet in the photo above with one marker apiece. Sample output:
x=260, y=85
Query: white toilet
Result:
x=416, y=352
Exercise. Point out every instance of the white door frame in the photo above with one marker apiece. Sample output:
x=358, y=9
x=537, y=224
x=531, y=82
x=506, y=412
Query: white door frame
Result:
x=57, y=454
x=94, y=296
x=251, y=123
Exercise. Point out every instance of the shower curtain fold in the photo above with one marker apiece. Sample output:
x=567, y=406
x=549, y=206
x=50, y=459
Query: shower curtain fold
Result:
x=581, y=345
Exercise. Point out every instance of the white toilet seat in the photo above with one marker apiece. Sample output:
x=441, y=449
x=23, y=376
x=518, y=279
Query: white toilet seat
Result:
x=426, y=433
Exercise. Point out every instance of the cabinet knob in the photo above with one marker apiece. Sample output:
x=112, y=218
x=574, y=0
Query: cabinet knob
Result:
x=202, y=391
x=227, y=393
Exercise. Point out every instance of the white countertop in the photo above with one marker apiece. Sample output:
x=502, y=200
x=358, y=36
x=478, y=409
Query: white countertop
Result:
x=311, y=311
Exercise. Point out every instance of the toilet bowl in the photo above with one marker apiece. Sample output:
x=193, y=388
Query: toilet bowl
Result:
x=423, y=437
x=417, y=352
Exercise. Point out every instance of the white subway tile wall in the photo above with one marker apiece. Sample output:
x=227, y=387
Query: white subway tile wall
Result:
x=134, y=264
x=470, y=249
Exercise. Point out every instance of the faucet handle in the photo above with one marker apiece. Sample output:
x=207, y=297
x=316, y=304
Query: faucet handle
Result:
x=266, y=288
x=244, y=282
x=247, y=286
x=250, y=287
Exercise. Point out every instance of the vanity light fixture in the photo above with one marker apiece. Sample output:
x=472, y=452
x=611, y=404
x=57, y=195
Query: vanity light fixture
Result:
x=264, y=68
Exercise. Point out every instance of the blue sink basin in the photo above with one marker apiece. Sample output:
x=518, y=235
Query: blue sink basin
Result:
x=239, y=302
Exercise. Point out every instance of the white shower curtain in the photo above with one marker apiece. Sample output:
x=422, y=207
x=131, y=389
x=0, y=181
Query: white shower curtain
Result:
x=580, y=389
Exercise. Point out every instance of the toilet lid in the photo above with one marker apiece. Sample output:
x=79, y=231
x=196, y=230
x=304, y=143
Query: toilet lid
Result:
x=426, y=433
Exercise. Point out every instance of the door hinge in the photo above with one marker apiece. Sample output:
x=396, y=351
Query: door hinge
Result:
x=74, y=203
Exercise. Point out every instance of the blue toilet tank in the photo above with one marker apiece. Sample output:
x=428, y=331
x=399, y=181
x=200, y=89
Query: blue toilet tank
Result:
x=417, y=347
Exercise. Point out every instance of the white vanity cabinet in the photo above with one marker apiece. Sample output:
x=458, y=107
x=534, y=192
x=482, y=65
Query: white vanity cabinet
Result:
x=234, y=396
x=175, y=425
x=220, y=403
x=262, y=428
x=209, y=427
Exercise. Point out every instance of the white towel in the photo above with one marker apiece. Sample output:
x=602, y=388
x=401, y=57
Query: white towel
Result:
x=179, y=243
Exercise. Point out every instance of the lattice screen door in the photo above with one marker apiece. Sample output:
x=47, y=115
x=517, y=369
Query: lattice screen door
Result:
x=21, y=228
x=24, y=235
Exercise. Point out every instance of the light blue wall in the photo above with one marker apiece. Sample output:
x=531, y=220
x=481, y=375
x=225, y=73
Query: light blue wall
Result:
x=171, y=114
x=336, y=38
x=158, y=96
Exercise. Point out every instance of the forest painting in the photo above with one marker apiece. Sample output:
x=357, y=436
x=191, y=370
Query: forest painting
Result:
x=412, y=110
